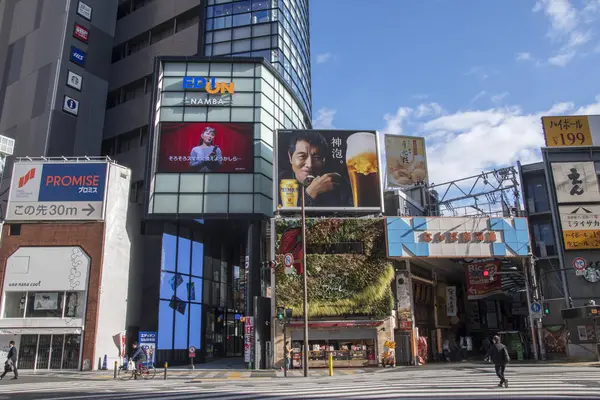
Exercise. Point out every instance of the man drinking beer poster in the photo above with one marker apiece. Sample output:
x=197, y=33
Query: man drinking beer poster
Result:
x=331, y=180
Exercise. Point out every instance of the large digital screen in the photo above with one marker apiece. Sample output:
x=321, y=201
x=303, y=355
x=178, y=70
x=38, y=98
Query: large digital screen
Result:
x=206, y=147
x=339, y=169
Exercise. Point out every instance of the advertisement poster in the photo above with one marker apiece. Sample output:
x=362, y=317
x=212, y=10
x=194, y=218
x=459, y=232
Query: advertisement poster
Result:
x=339, y=169
x=122, y=343
x=480, y=286
x=206, y=147
x=248, y=338
x=147, y=341
x=45, y=301
x=567, y=131
x=575, y=182
x=406, y=161
x=403, y=300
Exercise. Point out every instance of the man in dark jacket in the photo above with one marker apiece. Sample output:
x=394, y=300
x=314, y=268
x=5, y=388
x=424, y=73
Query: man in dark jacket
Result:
x=138, y=356
x=11, y=361
x=498, y=354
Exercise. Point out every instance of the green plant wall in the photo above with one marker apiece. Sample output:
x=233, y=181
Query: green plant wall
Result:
x=338, y=284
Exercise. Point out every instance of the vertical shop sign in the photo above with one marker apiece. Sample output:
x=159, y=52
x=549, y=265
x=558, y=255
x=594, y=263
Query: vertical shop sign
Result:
x=575, y=182
x=451, y=301
x=403, y=300
x=248, y=338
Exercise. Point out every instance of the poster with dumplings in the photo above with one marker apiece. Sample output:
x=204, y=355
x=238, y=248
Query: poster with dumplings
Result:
x=406, y=161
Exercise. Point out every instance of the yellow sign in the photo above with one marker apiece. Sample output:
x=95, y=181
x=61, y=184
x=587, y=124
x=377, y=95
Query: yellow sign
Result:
x=390, y=345
x=567, y=131
x=579, y=240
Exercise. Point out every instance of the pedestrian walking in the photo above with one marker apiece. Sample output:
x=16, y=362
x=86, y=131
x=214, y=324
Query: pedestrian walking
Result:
x=498, y=354
x=11, y=361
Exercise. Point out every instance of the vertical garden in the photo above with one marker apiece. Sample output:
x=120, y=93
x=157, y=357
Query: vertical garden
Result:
x=348, y=272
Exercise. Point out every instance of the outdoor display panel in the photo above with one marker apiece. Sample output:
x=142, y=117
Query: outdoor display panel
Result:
x=340, y=169
x=406, y=161
x=205, y=147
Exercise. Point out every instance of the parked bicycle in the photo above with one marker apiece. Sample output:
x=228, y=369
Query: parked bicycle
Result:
x=146, y=371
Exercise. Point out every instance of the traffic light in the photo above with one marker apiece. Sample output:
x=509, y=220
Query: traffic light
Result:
x=546, y=309
x=280, y=312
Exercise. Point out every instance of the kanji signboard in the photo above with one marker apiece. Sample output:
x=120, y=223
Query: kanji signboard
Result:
x=57, y=191
x=583, y=239
x=580, y=217
x=575, y=182
x=248, y=339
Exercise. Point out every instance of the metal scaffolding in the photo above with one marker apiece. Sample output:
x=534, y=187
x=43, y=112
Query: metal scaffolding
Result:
x=493, y=193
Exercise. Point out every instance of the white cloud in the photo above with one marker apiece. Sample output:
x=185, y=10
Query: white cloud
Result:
x=467, y=142
x=324, y=118
x=568, y=26
x=478, y=96
x=497, y=98
x=323, y=58
x=479, y=71
x=523, y=56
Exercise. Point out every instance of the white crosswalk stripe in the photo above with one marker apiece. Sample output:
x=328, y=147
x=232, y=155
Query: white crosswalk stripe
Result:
x=464, y=384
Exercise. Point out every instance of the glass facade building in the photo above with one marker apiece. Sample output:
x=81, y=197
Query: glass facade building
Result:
x=277, y=30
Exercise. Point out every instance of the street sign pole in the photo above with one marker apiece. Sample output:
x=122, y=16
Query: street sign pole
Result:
x=305, y=279
x=531, y=321
x=192, y=351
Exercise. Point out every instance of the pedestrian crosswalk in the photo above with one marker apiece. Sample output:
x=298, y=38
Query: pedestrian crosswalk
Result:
x=414, y=383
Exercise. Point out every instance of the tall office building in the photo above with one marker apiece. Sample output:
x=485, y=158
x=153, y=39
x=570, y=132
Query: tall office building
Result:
x=82, y=78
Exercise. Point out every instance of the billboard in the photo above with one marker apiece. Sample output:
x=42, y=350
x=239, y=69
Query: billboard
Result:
x=575, y=182
x=340, y=170
x=57, y=191
x=206, y=147
x=454, y=237
x=568, y=131
x=406, y=161
x=480, y=286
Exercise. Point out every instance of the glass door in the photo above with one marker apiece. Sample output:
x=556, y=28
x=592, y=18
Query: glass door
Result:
x=43, y=352
x=56, y=351
x=235, y=335
x=71, y=352
x=26, y=355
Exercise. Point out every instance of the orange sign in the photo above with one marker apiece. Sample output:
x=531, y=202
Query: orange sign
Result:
x=460, y=237
x=584, y=239
x=567, y=131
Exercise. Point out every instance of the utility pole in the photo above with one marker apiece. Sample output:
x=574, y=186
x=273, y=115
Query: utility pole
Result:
x=538, y=298
x=305, y=279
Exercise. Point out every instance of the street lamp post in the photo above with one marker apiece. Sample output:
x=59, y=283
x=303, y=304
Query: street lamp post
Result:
x=304, y=278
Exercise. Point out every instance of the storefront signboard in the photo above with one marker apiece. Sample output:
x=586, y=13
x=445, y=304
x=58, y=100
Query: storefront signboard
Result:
x=582, y=239
x=479, y=285
x=148, y=341
x=403, y=299
x=567, y=131
x=248, y=339
x=575, y=182
x=453, y=237
x=580, y=217
x=57, y=191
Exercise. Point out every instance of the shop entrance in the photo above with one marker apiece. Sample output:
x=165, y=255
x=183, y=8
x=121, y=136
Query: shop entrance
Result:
x=49, y=351
x=224, y=334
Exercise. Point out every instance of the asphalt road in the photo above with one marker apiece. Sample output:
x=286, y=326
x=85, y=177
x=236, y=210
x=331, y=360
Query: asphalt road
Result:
x=409, y=383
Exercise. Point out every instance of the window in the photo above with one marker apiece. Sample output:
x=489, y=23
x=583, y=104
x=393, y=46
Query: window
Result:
x=187, y=19
x=136, y=192
x=14, y=304
x=543, y=235
x=74, y=304
x=44, y=305
x=536, y=194
x=162, y=31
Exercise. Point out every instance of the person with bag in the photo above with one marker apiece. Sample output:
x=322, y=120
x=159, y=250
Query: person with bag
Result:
x=11, y=361
x=498, y=354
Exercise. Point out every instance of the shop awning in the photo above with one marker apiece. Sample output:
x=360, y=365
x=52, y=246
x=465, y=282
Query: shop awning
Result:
x=40, y=331
x=337, y=324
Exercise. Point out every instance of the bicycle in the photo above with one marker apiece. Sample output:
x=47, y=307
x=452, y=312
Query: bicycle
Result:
x=146, y=371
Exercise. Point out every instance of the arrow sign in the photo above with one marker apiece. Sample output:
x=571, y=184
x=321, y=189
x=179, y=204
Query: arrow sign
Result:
x=89, y=210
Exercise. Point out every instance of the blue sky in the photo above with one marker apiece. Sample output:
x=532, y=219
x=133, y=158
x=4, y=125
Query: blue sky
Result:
x=471, y=76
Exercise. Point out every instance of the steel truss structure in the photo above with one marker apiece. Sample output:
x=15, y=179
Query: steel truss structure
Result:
x=492, y=193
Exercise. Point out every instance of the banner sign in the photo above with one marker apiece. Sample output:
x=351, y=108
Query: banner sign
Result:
x=403, y=299
x=339, y=169
x=57, y=191
x=248, y=339
x=406, y=161
x=575, y=182
x=451, y=302
x=147, y=341
x=480, y=286
x=454, y=237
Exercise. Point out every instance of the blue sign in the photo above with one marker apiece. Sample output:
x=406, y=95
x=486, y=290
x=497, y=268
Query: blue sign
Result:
x=77, y=56
x=536, y=307
x=73, y=182
x=147, y=341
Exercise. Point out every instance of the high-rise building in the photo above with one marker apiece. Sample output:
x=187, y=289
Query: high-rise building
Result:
x=114, y=78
